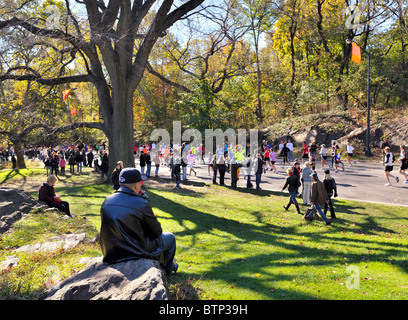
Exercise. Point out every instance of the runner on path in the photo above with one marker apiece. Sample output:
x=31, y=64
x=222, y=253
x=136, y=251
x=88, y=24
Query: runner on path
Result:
x=388, y=162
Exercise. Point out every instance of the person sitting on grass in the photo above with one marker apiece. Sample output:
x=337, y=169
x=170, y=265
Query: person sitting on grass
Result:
x=46, y=193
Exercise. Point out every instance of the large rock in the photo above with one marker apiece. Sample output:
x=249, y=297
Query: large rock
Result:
x=14, y=203
x=65, y=242
x=141, y=279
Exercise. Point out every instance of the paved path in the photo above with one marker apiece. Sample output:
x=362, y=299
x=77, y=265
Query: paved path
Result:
x=364, y=181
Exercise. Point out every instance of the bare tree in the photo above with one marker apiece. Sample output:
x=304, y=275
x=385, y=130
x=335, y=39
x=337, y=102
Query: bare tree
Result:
x=212, y=59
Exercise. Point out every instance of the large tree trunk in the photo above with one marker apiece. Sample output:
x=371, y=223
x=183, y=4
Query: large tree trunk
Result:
x=120, y=132
x=18, y=149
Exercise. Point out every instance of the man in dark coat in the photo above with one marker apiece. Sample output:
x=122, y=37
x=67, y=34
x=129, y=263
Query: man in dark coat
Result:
x=318, y=196
x=293, y=184
x=129, y=228
x=90, y=157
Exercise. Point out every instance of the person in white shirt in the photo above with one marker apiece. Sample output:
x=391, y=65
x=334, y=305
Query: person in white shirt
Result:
x=388, y=162
x=290, y=153
x=191, y=158
x=323, y=154
x=350, y=150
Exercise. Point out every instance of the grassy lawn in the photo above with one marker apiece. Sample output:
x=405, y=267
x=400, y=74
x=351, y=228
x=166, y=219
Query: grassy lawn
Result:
x=232, y=244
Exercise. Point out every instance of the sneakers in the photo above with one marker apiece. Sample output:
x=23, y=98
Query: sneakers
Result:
x=397, y=179
x=406, y=181
x=387, y=184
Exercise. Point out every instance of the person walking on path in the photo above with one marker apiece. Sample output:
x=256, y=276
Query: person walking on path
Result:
x=306, y=183
x=272, y=158
x=191, y=159
x=284, y=154
x=312, y=152
x=293, y=184
x=389, y=166
x=323, y=154
x=331, y=189
x=267, y=159
x=350, y=150
x=318, y=196
x=337, y=159
x=259, y=170
x=305, y=152
x=290, y=152
x=404, y=162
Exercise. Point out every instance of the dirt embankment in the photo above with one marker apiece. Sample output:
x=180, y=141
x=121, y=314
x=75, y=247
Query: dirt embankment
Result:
x=342, y=126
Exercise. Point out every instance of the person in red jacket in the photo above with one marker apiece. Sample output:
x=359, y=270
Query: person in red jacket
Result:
x=46, y=193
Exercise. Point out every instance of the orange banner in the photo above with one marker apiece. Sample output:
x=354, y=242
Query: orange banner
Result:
x=73, y=112
x=65, y=94
x=355, y=53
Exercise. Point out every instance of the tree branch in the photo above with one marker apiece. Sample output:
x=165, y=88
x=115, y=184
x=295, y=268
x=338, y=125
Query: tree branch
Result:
x=18, y=137
x=46, y=81
x=164, y=79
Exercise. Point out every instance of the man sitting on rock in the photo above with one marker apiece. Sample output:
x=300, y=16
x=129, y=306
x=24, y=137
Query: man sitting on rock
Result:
x=129, y=228
x=46, y=193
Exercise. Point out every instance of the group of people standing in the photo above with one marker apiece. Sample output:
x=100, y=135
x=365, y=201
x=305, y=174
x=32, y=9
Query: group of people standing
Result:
x=56, y=160
x=314, y=192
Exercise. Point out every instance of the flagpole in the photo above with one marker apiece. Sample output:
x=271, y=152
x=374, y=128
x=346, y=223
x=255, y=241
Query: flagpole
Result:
x=368, y=151
x=367, y=142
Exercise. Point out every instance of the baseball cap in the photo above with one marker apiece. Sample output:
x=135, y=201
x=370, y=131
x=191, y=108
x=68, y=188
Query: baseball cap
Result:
x=130, y=175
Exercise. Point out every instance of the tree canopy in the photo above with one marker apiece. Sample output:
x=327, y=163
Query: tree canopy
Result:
x=140, y=65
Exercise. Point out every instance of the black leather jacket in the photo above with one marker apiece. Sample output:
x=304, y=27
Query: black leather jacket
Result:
x=129, y=229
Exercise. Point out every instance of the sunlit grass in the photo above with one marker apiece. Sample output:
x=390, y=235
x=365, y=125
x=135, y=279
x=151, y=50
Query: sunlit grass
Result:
x=235, y=244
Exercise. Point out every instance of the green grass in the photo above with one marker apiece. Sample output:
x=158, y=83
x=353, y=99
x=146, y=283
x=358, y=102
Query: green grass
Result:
x=238, y=244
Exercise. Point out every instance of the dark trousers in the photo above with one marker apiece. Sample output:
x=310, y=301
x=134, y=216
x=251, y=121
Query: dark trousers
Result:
x=249, y=183
x=177, y=178
x=234, y=178
x=169, y=251
x=330, y=204
x=215, y=175
x=258, y=180
x=63, y=206
x=222, y=175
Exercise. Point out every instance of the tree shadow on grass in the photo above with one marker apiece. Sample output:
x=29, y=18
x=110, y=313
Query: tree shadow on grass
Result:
x=241, y=272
